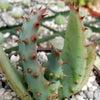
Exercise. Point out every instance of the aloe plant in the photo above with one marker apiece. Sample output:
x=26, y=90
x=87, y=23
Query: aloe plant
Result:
x=63, y=74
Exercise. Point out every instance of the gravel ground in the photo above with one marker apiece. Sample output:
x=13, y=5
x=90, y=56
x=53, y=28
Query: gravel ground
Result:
x=91, y=91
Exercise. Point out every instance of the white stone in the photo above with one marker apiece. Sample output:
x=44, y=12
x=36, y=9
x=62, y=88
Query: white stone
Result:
x=94, y=88
x=89, y=84
x=42, y=57
x=78, y=97
x=84, y=88
x=14, y=58
x=2, y=91
x=6, y=35
x=73, y=98
x=91, y=79
x=7, y=96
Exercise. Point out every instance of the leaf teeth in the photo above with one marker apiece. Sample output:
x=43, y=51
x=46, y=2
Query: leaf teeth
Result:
x=72, y=90
x=38, y=94
x=76, y=82
x=66, y=75
x=41, y=17
x=28, y=19
x=29, y=89
x=50, y=83
x=36, y=25
x=29, y=70
x=43, y=10
x=22, y=17
x=44, y=69
x=40, y=8
x=23, y=58
x=21, y=28
x=63, y=62
x=25, y=95
x=34, y=38
x=25, y=41
x=95, y=44
x=17, y=40
x=33, y=55
x=36, y=75
x=82, y=17
x=56, y=52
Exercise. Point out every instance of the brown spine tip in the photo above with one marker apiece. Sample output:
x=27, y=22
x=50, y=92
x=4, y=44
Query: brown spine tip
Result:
x=22, y=29
x=43, y=70
x=40, y=8
x=34, y=38
x=28, y=90
x=95, y=44
x=64, y=62
x=28, y=19
x=25, y=41
x=50, y=83
x=36, y=25
x=82, y=17
x=22, y=17
x=38, y=94
x=33, y=55
x=36, y=75
x=41, y=17
x=17, y=40
x=23, y=58
x=25, y=95
x=29, y=70
x=31, y=11
x=66, y=75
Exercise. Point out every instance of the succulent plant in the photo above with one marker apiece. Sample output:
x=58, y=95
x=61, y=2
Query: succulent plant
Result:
x=4, y=4
x=63, y=74
x=61, y=4
x=60, y=20
x=17, y=12
x=26, y=2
